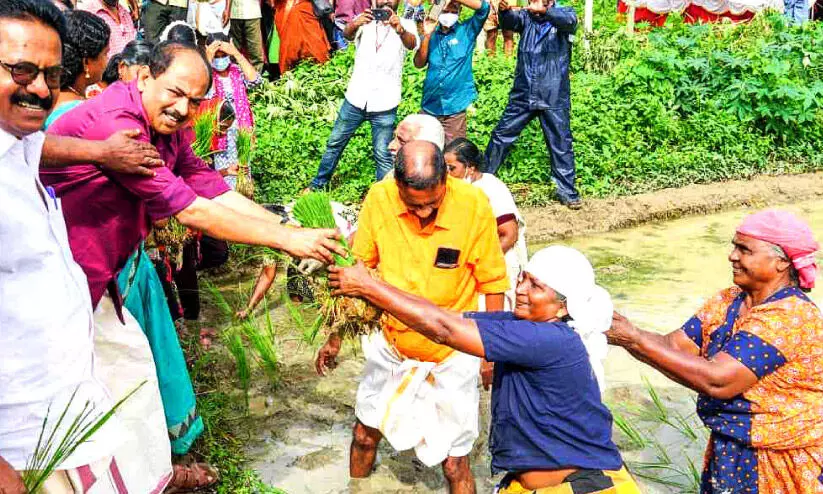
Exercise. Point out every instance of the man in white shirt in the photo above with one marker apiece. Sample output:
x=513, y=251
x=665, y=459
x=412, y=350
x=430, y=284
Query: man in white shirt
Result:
x=46, y=329
x=47, y=365
x=382, y=39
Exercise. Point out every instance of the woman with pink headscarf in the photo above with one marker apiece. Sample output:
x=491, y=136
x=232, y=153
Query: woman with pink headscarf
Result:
x=754, y=353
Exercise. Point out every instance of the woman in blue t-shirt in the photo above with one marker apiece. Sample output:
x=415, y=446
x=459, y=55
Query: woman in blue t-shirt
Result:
x=550, y=430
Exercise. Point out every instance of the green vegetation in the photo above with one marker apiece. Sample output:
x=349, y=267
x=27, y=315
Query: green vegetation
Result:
x=673, y=106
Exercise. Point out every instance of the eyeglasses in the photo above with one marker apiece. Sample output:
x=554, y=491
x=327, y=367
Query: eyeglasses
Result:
x=24, y=73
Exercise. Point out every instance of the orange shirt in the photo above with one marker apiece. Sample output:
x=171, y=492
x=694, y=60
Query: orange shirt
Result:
x=389, y=238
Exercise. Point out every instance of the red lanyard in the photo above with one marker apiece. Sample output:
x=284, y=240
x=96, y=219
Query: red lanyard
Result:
x=378, y=45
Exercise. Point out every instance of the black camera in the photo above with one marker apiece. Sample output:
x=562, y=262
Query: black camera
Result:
x=381, y=14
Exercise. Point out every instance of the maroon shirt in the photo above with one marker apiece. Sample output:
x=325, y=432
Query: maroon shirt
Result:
x=346, y=10
x=108, y=214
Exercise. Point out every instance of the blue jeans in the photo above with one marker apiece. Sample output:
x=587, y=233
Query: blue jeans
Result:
x=556, y=132
x=797, y=11
x=348, y=121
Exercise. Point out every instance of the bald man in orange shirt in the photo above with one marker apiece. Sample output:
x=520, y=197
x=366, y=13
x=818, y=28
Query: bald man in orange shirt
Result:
x=436, y=237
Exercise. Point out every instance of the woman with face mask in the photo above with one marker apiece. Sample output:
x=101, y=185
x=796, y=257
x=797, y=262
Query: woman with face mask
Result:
x=465, y=161
x=234, y=77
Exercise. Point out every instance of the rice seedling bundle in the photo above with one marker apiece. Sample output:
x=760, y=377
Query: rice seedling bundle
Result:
x=205, y=125
x=173, y=236
x=244, y=143
x=348, y=316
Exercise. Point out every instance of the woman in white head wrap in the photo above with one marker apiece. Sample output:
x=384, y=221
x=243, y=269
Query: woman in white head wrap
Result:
x=589, y=306
x=550, y=429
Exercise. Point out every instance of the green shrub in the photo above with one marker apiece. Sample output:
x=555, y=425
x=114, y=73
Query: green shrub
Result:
x=677, y=105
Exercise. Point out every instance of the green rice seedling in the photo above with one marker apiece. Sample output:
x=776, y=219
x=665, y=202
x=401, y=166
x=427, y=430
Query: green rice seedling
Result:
x=695, y=475
x=245, y=144
x=684, y=427
x=234, y=342
x=205, y=125
x=637, y=439
x=344, y=315
x=314, y=210
x=219, y=300
x=660, y=412
x=263, y=347
x=51, y=451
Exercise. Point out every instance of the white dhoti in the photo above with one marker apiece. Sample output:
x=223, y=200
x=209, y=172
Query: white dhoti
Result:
x=431, y=407
x=123, y=360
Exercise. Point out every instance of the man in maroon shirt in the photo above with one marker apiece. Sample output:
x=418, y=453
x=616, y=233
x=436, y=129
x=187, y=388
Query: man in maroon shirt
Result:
x=108, y=214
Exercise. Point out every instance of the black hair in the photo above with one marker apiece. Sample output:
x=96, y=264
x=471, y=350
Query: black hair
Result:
x=226, y=111
x=112, y=72
x=67, y=4
x=136, y=52
x=425, y=178
x=467, y=153
x=163, y=54
x=88, y=36
x=182, y=33
x=211, y=38
x=42, y=11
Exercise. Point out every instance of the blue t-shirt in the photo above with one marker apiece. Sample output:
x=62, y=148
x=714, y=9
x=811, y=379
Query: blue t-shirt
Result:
x=546, y=408
x=449, y=85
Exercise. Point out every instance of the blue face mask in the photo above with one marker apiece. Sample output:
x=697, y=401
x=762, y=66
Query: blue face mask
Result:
x=221, y=63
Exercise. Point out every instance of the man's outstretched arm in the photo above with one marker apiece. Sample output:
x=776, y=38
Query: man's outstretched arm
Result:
x=225, y=223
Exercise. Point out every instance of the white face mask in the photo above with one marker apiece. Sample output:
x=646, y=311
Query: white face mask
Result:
x=447, y=20
x=221, y=63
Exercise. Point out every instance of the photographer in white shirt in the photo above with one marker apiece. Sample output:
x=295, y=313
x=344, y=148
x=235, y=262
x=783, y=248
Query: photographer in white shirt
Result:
x=382, y=39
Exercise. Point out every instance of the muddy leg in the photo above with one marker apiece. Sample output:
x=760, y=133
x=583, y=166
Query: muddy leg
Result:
x=363, y=450
x=491, y=42
x=459, y=475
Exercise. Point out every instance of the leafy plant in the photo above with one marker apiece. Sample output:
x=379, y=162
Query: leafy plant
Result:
x=678, y=105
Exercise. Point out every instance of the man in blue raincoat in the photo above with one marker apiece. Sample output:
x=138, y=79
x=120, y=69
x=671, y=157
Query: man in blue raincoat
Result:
x=541, y=89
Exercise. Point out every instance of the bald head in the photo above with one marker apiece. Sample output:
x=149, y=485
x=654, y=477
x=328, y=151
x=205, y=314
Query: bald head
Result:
x=420, y=166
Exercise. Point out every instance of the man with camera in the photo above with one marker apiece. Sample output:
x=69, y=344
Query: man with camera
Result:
x=541, y=89
x=382, y=40
x=447, y=48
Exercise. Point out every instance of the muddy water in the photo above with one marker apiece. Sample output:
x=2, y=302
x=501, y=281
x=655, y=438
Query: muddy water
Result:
x=658, y=275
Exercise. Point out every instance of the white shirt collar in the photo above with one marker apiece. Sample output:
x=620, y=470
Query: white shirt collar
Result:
x=7, y=141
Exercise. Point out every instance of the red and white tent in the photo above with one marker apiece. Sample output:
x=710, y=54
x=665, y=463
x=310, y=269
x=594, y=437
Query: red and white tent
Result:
x=655, y=11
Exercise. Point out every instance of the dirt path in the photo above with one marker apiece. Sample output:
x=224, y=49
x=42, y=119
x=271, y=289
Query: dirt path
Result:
x=600, y=215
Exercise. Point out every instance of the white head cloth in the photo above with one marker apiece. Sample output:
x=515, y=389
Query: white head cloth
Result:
x=428, y=129
x=569, y=273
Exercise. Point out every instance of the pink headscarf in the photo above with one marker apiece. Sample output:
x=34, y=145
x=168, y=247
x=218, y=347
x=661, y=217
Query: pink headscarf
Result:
x=791, y=234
